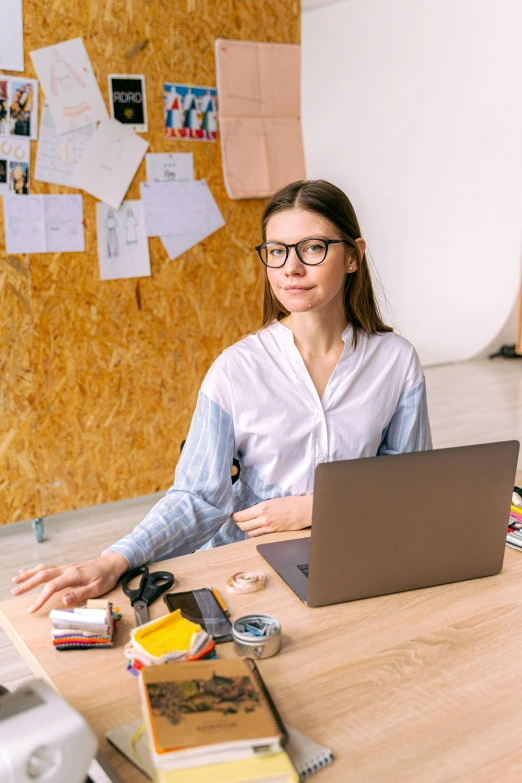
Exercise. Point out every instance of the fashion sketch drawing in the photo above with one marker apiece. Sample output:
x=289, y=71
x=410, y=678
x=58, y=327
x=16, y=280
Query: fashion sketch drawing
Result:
x=131, y=225
x=111, y=225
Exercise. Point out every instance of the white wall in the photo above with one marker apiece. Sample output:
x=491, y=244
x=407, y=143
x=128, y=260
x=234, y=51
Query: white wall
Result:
x=506, y=336
x=414, y=108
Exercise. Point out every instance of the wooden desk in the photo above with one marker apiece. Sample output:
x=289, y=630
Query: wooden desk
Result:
x=423, y=686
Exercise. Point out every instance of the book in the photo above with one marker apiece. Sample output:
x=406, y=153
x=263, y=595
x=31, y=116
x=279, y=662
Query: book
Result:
x=307, y=756
x=208, y=712
x=276, y=768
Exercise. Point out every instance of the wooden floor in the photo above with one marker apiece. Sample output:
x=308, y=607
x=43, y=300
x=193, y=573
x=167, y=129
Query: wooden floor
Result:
x=470, y=402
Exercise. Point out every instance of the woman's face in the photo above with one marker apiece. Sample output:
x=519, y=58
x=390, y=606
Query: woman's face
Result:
x=299, y=287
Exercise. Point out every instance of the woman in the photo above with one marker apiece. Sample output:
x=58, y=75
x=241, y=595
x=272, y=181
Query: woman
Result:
x=323, y=380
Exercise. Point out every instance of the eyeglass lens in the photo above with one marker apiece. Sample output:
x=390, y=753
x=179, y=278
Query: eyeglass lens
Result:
x=311, y=251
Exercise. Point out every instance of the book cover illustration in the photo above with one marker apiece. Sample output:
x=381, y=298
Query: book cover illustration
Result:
x=224, y=695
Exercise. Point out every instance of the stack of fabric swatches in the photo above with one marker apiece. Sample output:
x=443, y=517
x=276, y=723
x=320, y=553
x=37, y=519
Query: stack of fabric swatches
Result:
x=84, y=628
x=170, y=638
x=514, y=535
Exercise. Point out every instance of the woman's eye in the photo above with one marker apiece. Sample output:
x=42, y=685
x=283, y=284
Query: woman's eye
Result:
x=276, y=251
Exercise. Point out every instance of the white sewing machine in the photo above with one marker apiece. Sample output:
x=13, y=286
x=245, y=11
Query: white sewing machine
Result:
x=42, y=738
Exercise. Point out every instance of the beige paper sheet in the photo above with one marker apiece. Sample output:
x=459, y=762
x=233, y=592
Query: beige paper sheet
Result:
x=259, y=116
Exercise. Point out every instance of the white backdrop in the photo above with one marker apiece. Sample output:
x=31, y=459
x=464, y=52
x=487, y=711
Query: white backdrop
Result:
x=414, y=109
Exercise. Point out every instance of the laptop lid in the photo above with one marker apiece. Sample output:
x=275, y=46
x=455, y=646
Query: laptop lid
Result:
x=386, y=524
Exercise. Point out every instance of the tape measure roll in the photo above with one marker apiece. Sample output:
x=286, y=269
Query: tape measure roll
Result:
x=246, y=582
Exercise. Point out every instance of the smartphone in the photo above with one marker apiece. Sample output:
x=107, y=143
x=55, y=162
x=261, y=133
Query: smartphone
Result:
x=201, y=607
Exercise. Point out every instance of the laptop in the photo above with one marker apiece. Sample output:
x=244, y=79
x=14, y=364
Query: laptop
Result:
x=387, y=524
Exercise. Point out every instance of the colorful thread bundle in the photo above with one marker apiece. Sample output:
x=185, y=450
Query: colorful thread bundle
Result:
x=90, y=627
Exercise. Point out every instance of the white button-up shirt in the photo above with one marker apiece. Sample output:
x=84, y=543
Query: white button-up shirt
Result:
x=258, y=404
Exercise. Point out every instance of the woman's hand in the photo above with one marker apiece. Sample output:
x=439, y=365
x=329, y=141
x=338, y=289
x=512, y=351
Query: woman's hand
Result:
x=90, y=579
x=275, y=515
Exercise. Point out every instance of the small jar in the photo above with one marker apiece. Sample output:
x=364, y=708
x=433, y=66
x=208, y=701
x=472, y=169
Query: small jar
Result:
x=248, y=645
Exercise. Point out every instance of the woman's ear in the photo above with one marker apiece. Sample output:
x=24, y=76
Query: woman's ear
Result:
x=352, y=259
x=361, y=244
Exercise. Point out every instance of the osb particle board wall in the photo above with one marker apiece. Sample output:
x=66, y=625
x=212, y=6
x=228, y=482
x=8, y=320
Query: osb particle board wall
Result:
x=98, y=380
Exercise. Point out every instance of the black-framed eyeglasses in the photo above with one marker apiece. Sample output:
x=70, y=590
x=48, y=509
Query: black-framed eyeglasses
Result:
x=309, y=251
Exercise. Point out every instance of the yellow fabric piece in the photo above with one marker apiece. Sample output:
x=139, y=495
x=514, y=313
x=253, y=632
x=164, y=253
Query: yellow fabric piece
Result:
x=277, y=767
x=168, y=633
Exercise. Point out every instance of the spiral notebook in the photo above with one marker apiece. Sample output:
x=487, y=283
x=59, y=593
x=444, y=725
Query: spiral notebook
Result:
x=306, y=755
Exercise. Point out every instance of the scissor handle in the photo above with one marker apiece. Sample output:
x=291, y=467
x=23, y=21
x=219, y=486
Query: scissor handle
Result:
x=135, y=595
x=156, y=583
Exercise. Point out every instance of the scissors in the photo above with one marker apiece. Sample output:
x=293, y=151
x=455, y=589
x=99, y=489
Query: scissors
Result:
x=151, y=587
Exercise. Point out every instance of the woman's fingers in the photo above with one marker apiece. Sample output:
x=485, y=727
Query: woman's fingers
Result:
x=256, y=527
x=259, y=531
x=81, y=594
x=67, y=579
x=249, y=513
x=27, y=573
x=81, y=580
x=244, y=516
x=45, y=575
x=252, y=524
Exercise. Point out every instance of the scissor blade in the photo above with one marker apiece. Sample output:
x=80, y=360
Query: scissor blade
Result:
x=141, y=610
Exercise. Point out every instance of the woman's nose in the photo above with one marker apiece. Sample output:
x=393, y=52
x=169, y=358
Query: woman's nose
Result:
x=293, y=263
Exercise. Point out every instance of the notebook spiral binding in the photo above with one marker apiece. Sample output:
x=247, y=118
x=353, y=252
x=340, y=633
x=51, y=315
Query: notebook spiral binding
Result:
x=273, y=709
x=314, y=765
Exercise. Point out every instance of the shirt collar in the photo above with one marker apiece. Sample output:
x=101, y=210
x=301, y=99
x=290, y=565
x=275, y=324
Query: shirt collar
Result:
x=287, y=336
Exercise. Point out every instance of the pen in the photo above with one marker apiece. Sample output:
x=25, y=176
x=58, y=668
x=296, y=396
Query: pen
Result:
x=219, y=600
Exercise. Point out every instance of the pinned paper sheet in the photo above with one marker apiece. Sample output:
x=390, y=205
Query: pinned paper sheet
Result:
x=11, y=36
x=174, y=208
x=18, y=107
x=170, y=166
x=44, y=224
x=110, y=162
x=259, y=116
x=57, y=156
x=128, y=102
x=189, y=112
x=14, y=165
x=69, y=84
x=177, y=245
x=123, y=247
x=178, y=169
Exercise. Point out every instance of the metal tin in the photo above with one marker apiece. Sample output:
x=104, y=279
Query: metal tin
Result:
x=247, y=645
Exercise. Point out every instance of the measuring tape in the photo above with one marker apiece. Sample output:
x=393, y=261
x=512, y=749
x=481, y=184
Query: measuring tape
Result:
x=246, y=582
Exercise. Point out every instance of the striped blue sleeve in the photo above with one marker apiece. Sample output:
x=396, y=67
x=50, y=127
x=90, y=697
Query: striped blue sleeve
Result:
x=409, y=428
x=200, y=500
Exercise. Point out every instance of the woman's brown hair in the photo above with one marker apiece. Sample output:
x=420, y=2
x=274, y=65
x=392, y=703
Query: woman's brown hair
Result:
x=317, y=195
